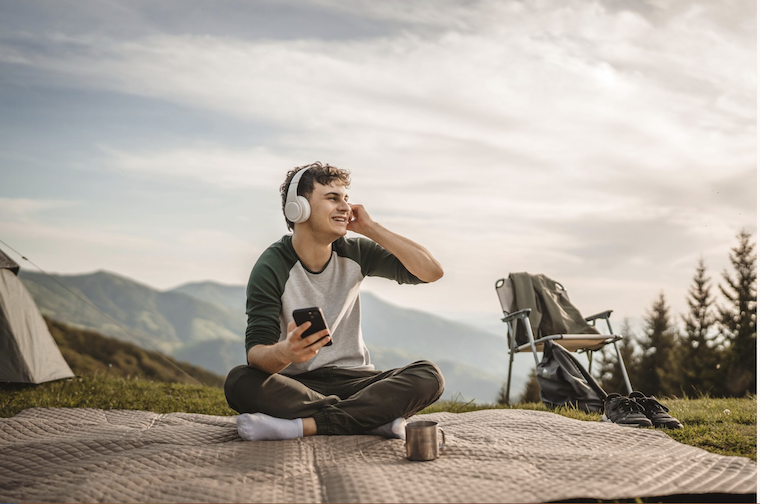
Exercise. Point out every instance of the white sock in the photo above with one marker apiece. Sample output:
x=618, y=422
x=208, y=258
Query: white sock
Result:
x=394, y=429
x=261, y=427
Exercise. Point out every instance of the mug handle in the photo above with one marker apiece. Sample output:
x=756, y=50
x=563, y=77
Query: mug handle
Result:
x=442, y=445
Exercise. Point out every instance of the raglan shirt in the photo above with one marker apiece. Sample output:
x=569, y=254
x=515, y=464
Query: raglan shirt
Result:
x=280, y=283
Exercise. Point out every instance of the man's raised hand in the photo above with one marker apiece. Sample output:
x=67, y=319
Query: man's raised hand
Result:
x=416, y=258
x=297, y=349
x=360, y=221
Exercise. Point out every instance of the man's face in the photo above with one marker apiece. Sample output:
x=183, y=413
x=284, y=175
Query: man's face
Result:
x=330, y=212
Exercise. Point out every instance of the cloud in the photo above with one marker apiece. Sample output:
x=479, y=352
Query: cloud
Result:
x=21, y=209
x=159, y=256
x=29, y=220
x=409, y=83
x=587, y=138
x=207, y=163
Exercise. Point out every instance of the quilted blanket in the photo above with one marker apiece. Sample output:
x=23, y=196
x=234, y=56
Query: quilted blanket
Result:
x=87, y=455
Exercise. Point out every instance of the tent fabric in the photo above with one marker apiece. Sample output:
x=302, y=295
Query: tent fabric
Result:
x=28, y=352
x=92, y=455
x=12, y=367
x=8, y=263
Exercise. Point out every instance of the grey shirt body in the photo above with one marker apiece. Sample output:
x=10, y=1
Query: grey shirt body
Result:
x=280, y=283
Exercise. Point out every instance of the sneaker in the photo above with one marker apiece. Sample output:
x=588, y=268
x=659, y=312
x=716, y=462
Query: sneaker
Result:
x=655, y=411
x=624, y=411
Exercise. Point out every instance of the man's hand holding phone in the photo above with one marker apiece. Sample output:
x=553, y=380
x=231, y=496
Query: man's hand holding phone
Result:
x=297, y=349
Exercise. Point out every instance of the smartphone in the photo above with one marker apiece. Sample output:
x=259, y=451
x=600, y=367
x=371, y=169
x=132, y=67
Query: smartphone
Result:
x=313, y=315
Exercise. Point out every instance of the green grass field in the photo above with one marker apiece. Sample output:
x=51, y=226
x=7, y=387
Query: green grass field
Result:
x=705, y=423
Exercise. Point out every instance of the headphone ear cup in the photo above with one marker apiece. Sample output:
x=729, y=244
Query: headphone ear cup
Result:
x=298, y=211
x=305, y=209
x=293, y=211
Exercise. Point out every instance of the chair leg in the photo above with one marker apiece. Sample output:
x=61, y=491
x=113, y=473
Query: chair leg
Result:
x=622, y=368
x=528, y=330
x=509, y=377
x=590, y=360
x=511, y=331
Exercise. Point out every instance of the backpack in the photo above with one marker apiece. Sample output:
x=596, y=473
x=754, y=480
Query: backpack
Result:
x=564, y=381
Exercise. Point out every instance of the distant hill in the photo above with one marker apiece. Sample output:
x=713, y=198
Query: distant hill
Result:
x=204, y=323
x=218, y=356
x=433, y=337
x=231, y=297
x=163, y=320
x=88, y=352
x=385, y=325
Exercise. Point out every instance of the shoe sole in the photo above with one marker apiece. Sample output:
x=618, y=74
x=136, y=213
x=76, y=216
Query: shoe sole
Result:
x=669, y=426
x=634, y=425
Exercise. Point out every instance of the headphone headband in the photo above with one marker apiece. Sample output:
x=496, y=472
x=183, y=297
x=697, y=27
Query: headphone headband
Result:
x=296, y=179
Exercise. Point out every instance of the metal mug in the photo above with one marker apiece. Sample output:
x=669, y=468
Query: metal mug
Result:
x=422, y=440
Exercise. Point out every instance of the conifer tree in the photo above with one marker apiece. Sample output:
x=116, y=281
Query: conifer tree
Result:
x=739, y=319
x=532, y=391
x=699, y=372
x=657, y=373
x=501, y=396
x=610, y=375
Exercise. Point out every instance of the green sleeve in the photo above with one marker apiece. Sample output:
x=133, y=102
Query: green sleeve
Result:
x=376, y=261
x=264, y=299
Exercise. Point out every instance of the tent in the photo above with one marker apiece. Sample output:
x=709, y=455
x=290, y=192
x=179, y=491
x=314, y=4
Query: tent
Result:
x=28, y=352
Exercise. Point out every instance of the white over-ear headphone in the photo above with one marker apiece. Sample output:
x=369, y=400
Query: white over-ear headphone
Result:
x=297, y=208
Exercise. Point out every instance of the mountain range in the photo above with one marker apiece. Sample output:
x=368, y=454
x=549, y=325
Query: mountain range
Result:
x=204, y=324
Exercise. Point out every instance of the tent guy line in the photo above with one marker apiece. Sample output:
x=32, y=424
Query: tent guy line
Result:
x=88, y=303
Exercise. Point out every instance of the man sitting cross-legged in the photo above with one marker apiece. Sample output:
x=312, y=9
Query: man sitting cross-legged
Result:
x=295, y=387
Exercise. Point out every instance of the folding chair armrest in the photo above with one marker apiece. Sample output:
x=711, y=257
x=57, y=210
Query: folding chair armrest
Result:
x=518, y=314
x=604, y=315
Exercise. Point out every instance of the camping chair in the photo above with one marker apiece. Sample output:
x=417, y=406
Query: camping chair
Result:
x=573, y=342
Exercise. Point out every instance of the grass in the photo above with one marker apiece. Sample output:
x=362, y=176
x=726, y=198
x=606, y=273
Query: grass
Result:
x=708, y=427
x=114, y=392
x=88, y=352
x=705, y=423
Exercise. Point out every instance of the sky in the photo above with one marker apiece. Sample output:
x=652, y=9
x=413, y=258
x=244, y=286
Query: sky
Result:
x=607, y=144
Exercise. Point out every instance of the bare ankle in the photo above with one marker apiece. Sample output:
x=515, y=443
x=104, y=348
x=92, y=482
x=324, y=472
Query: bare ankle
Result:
x=309, y=426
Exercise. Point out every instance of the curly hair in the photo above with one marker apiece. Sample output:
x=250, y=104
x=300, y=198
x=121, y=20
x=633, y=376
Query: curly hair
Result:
x=324, y=174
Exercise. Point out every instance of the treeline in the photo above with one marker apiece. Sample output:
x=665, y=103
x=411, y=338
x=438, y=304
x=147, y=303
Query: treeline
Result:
x=713, y=352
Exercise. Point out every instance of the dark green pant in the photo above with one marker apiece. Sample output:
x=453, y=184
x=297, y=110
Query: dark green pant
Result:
x=341, y=401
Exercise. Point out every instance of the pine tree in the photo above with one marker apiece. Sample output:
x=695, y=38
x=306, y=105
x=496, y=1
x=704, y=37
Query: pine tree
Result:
x=501, y=397
x=699, y=373
x=610, y=375
x=739, y=319
x=657, y=373
x=532, y=391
